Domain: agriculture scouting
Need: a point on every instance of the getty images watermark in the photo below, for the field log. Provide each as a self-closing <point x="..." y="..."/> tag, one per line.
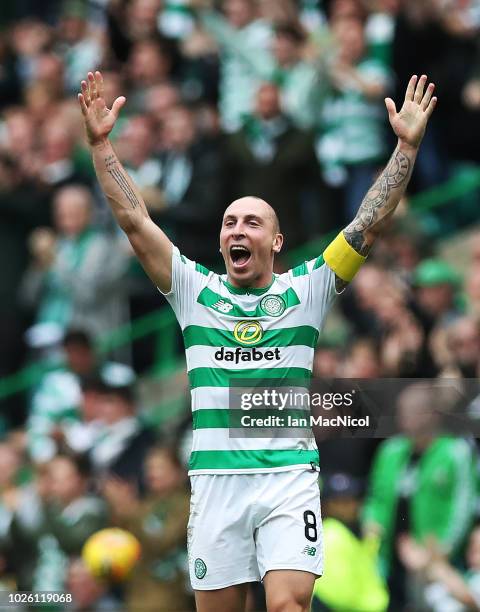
<point x="291" y="404"/>
<point x="352" y="408"/>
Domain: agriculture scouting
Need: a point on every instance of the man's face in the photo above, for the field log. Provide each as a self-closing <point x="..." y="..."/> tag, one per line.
<point x="71" y="211"/>
<point x="285" y="49"/>
<point x="268" y="102"/>
<point x="239" y="12"/>
<point x="161" y="473"/>
<point x="178" y="130"/>
<point x="415" y="412"/>
<point x="249" y="240"/>
<point x="138" y="139"/>
<point x="350" y="39"/>
<point x="112" y="408"/>
<point x="80" y="358"/>
<point x="436" y="300"/>
<point x="465" y="342"/>
<point x="65" y="481"/>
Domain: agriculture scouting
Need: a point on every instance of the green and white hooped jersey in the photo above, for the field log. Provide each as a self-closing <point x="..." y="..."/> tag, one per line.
<point x="277" y="325"/>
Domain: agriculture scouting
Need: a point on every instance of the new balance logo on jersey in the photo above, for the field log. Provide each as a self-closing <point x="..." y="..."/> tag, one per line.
<point x="239" y="354"/>
<point x="309" y="550"/>
<point x="222" y="306"/>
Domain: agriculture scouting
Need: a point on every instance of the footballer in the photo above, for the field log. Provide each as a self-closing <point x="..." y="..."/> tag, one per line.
<point x="255" y="506"/>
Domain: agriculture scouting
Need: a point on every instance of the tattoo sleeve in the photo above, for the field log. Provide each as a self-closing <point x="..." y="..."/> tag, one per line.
<point x="378" y="205"/>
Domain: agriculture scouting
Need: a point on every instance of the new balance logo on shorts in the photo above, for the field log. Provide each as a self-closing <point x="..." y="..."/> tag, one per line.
<point x="309" y="550"/>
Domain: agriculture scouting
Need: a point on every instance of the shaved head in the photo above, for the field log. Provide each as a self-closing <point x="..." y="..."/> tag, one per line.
<point x="249" y="240"/>
<point x="256" y="205"/>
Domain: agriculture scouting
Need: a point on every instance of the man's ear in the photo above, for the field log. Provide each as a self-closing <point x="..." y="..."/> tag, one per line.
<point x="277" y="243"/>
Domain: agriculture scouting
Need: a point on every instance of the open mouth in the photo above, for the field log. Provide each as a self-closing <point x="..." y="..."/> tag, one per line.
<point x="240" y="255"/>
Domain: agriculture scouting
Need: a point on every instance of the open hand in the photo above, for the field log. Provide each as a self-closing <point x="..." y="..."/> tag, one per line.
<point x="413" y="556"/>
<point x="99" y="120"/>
<point x="409" y="124"/>
<point x="121" y="495"/>
<point x="43" y="243"/>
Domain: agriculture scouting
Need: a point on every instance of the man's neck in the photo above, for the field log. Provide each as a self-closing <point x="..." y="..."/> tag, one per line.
<point x="422" y="442"/>
<point x="262" y="282"/>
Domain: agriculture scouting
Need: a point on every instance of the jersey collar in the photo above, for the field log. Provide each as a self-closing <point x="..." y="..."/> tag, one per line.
<point x="248" y="290"/>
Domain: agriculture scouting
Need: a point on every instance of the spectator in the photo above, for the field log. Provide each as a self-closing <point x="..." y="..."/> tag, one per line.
<point x="129" y="22"/>
<point x="327" y="359"/>
<point x="282" y="63"/>
<point x="121" y="449"/>
<point x="81" y="435"/>
<point x="301" y="83"/>
<point x="159" y="523"/>
<point x="150" y="64"/>
<point x="239" y="30"/>
<point x="57" y="166"/>
<point x="351" y="579"/>
<point x="352" y="141"/>
<point x="352" y="455"/>
<point x="61" y="407"/>
<point x="89" y="593"/>
<point x="29" y="38"/>
<point x="76" y="276"/>
<point x="78" y="45"/>
<point x="472" y="288"/>
<point x="159" y="101"/>
<point x="436" y="283"/>
<point x="362" y="360"/>
<point x="52" y="520"/>
<point x="442" y="586"/>
<point x="463" y="346"/>
<point x="192" y="185"/>
<point x="272" y="159"/>
<point x="136" y="149"/>
<point x="422" y="484"/>
<point x="399" y="322"/>
<point x="22" y="208"/>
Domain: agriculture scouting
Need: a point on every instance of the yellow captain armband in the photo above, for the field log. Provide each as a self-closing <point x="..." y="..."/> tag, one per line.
<point x="342" y="258"/>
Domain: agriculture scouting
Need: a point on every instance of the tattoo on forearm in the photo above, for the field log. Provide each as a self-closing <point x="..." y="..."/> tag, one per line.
<point x="377" y="204"/>
<point x="121" y="180"/>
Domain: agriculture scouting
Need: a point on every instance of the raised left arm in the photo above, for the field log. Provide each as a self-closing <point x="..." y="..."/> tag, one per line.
<point x="379" y="204"/>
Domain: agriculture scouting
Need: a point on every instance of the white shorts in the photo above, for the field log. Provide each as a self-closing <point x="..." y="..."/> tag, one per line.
<point x="243" y="525"/>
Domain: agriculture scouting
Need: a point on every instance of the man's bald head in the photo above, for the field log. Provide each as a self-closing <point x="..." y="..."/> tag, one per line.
<point x="255" y="205"/>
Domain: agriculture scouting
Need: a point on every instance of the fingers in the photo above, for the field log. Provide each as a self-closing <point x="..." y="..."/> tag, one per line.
<point x="117" y="105"/>
<point x="83" y="106"/>
<point x="419" y="89"/>
<point x="428" y="96"/>
<point x="391" y="108"/>
<point x="99" y="83"/>
<point x="92" y="87"/>
<point x="431" y="106"/>
<point x="411" y="88"/>
<point x="86" y="93"/>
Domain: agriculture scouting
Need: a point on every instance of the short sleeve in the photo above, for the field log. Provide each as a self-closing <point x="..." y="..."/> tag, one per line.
<point x="188" y="279"/>
<point x="315" y="282"/>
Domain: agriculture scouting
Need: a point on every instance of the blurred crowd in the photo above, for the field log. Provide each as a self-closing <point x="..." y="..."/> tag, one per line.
<point x="278" y="98"/>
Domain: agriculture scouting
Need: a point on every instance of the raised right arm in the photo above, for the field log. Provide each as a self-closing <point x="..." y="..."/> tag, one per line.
<point x="151" y="245"/>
